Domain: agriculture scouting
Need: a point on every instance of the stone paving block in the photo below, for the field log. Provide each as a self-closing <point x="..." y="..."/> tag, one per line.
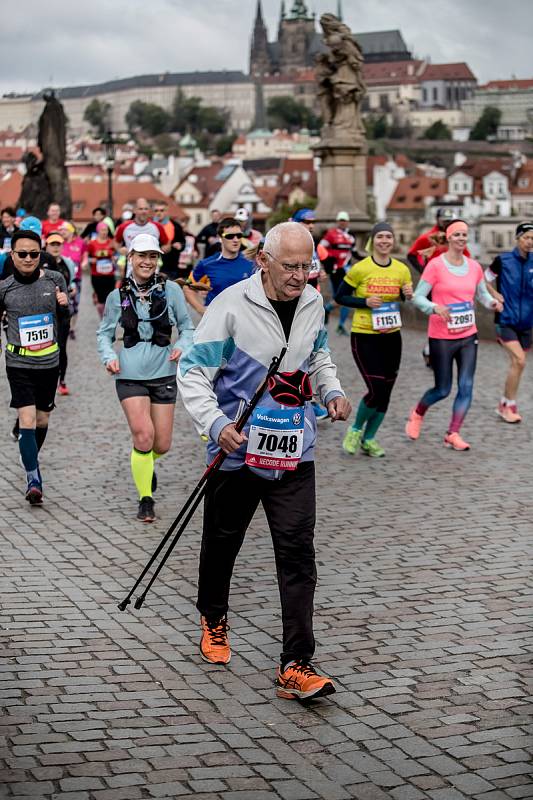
<point x="292" y="790"/>
<point x="422" y="624"/>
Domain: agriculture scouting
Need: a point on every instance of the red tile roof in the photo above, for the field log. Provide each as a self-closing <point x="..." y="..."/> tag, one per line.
<point x="203" y="178"/>
<point x="522" y="83"/>
<point x="459" y="71"/>
<point x="392" y="72"/>
<point x="523" y="183"/>
<point x="479" y="167"/>
<point x="86" y="195"/>
<point x="11" y="154"/>
<point x="412" y="190"/>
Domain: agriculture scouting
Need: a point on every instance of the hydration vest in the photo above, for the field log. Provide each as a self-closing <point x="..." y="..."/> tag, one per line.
<point x="158" y="319"/>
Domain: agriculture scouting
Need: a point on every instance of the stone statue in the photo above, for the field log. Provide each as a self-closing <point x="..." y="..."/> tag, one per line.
<point x="46" y="181"/>
<point x="341" y="86"/>
<point x="342" y="149"/>
<point x="35" y="195"/>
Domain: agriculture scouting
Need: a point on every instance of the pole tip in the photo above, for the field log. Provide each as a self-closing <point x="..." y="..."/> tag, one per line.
<point x="123" y="605"/>
<point x="138" y="603"/>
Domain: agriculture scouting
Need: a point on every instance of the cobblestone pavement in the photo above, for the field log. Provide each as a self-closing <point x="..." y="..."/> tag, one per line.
<point x="421" y="615"/>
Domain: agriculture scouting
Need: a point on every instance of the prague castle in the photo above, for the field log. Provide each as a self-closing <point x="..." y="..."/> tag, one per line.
<point x="281" y="67"/>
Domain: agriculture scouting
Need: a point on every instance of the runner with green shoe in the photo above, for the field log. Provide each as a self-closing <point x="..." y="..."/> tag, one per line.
<point x="374" y="287"/>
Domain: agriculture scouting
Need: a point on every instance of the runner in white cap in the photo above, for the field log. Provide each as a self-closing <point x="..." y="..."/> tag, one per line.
<point x="147" y="307"/>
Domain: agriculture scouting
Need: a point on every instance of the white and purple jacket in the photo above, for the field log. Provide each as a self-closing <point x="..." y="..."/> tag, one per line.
<point x="234" y="344"/>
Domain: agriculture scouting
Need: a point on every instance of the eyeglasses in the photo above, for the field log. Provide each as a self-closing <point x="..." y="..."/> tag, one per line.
<point x="292" y="267"/>
<point x="232" y="236"/>
<point x="33" y="254"/>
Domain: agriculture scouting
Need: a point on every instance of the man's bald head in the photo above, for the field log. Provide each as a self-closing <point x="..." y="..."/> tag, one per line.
<point x="286" y="260"/>
<point x="288" y="238"/>
<point x="142" y="210"/>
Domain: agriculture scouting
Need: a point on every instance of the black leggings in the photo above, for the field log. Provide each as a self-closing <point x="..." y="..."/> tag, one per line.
<point x="378" y="357"/>
<point x="63" y="329"/>
<point x="443" y="352"/>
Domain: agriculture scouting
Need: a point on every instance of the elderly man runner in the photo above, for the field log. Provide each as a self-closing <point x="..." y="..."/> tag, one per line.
<point x="271" y="461"/>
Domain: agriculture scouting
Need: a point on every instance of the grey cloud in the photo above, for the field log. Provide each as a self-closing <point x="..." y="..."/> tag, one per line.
<point x="70" y="43"/>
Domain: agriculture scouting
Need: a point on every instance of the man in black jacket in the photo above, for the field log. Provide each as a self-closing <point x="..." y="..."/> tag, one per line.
<point x="176" y="238"/>
<point x="208" y="235"/>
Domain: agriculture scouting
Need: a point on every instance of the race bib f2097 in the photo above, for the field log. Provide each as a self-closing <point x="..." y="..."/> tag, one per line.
<point x="462" y="315"/>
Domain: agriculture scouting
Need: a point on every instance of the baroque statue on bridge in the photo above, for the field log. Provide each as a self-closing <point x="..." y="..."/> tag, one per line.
<point x="341" y="86"/>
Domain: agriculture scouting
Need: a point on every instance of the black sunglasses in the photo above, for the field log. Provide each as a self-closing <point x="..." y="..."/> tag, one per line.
<point x="33" y="254"/>
<point x="232" y="235"/>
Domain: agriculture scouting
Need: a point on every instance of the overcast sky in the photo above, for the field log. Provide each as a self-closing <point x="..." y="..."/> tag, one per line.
<point x="69" y="42"/>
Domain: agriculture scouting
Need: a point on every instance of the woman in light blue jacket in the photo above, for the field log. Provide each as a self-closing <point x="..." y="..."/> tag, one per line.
<point x="147" y="307"/>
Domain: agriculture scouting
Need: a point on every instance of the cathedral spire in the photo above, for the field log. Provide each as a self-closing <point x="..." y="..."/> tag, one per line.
<point x="299" y="10"/>
<point x="339" y="10"/>
<point x="259" y="52"/>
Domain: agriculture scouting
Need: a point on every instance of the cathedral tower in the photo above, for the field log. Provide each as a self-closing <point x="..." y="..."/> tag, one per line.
<point x="296" y="31"/>
<point x="259" y="54"/>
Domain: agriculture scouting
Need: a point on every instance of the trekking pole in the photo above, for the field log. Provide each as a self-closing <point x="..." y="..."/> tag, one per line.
<point x="193" y="501"/>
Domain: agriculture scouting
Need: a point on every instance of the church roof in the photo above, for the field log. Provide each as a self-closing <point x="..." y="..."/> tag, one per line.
<point x="146" y="81"/>
<point x="382" y="42"/>
<point x="374" y="43"/>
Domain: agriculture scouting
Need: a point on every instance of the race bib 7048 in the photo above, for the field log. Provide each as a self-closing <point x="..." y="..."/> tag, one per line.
<point x="275" y="438"/>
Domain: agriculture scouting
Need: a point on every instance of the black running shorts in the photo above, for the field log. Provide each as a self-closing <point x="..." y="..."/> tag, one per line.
<point x="160" y="390"/>
<point x="507" y="333"/>
<point x="33" y="387"/>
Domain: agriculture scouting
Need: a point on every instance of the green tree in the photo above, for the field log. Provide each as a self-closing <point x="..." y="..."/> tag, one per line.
<point x="147" y="117"/>
<point x="376" y="127"/>
<point x="487" y="124"/>
<point x="439" y="130"/>
<point x="188" y="114"/>
<point x="286" y="112"/>
<point x="97" y="115"/>
<point x="224" y="143"/>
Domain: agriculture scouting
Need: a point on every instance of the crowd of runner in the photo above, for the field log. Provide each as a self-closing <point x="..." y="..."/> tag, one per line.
<point x="254" y="296"/>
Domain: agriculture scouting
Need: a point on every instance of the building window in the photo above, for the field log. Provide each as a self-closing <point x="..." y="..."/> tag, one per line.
<point x="384" y="102"/>
<point x="435" y="94"/>
<point x="198" y="219"/>
<point x="424" y="95"/>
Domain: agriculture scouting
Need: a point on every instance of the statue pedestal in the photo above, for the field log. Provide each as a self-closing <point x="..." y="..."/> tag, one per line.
<point x="342" y="186"/>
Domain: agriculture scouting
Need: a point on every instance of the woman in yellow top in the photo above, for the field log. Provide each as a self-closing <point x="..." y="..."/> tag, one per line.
<point x="374" y="287"/>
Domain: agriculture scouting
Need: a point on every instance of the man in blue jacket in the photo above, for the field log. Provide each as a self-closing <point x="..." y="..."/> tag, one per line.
<point x="513" y="273"/>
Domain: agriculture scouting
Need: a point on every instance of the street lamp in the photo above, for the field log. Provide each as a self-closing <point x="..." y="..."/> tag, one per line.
<point x="110" y="153"/>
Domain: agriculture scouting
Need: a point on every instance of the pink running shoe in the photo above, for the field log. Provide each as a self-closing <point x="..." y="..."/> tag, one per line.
<point x="455" y="441"/>
<point x="414" y="424"/>
<point x="509" y="413"/>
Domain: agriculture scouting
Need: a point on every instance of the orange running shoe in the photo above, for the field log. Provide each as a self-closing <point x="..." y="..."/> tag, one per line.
<point x="509" y="413"/>
<point x="414" y="424"/>
<point x="214" y="645"/>
<point x="299" y="680"/>
<point x="455" y="441"/>
<point x="63" y="389"/>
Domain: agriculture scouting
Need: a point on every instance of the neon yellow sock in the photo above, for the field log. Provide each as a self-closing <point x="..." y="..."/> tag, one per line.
<point x="142" y="469"/>
<point x="155" y="455"/>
